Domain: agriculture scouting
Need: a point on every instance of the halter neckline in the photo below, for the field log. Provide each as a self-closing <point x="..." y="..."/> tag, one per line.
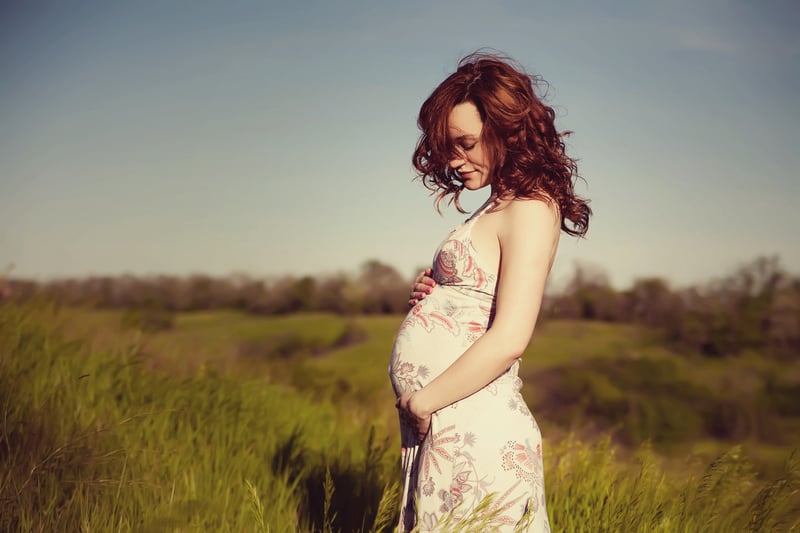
<point x="480" y="211"/>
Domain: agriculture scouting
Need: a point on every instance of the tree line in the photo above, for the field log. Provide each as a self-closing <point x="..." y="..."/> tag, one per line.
<point x="757" y="306"/>
<point x="376" y="289"/>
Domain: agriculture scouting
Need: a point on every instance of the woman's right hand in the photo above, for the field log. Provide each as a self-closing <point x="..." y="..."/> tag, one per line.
<point x="422" y="287"/>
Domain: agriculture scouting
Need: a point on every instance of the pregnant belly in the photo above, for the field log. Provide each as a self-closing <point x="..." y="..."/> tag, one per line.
<point x="433" y="335"/>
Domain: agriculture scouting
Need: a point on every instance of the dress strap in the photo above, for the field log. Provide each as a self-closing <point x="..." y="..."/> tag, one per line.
<point x="481" y="210"/>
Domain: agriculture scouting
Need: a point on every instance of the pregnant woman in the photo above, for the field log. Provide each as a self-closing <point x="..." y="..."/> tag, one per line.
<point x="471" y="450"/>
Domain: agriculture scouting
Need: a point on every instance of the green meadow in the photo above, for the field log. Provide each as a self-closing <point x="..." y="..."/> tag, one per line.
<point x="224" y="421"/>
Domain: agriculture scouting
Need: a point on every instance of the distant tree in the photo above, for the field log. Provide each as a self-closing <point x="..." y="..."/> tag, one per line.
<point x="383" y="289"/>
<point x="588" y="295"/>
<point x="201" y="292"/>
<point x="303" y="294"/>
<point x="18" y="289"/>
<point x="752" y="308"/>
<point x="650" y="301"/>
<point x="336" y="294"/>
<point x="755" y="287"/>
<point x="290" y="295"/>
<point x="703" y="326"/>
<point x="253" y="296"/>
<point x="784" y="321"/>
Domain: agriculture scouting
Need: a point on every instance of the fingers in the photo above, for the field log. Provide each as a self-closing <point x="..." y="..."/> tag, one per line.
<point x="422" y="286"/>
<point x="420" y="292"/>
<point x="423" y="426"/>
<point x="425" y="278"/>
<point x="416" y="297"/>
<point x="409" y="420"/>
<point x="426" y="281"/>
<point x="420" y="426"/>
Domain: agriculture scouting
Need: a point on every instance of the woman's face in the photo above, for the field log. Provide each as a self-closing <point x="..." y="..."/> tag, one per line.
<point x="464" y="126"/>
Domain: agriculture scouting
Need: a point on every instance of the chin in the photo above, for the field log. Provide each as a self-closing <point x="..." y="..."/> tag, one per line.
<point x="474" y="186"/>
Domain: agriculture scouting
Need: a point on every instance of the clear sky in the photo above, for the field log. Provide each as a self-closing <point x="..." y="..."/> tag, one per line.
<point x="275" y="138"/>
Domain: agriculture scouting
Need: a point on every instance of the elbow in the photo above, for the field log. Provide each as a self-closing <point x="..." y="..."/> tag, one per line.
<point x="515" y="351"/>
<point x="512" y="344"/>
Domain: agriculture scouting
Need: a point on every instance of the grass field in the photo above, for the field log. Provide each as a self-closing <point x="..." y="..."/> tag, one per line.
<point x="228" y="422"/>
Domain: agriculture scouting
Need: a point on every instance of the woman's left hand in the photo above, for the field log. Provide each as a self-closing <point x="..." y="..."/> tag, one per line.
<point x="419" y="422"/>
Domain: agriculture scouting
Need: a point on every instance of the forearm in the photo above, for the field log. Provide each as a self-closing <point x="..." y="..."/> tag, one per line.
<point x="487" y="358"/>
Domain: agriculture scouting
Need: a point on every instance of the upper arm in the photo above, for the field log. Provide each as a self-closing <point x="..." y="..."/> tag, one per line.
<point x="528" y="237"/>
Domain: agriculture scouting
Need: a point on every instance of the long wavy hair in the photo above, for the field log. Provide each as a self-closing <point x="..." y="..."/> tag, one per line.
<point x="526" y="153"/>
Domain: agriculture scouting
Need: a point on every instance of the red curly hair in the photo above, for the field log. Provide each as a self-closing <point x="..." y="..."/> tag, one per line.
<point x="527" y="153"/>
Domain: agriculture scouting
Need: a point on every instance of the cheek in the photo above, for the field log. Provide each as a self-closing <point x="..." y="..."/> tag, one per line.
<point x="483" y="158"/>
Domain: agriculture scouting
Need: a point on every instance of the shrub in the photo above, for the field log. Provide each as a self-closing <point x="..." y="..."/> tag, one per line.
<point x="647" y="399"/>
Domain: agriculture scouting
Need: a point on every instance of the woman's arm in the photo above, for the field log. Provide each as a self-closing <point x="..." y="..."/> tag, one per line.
<point x="528" y="237"/>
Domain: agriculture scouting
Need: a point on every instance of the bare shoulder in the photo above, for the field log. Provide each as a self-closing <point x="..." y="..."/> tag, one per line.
<point x="530" y="213"/>
<point x="529" y="234"/>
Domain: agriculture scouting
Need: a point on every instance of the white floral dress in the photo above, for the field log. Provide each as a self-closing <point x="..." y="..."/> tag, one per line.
<point x="487" y="444"/>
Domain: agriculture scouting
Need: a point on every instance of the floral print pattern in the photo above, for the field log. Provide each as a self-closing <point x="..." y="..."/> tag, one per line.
<point x="486" y="445"/>
<point x="408" y="376"/>
<point x="446" y="268"/>
<point x="520" y="459"/>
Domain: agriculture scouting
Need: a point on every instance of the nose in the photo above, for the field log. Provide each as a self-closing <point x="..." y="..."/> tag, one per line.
<point x="457" y="161"/>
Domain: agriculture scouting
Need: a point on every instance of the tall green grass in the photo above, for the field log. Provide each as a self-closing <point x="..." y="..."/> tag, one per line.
<point x="92" y="440"/>
<point x="592" y="488"/>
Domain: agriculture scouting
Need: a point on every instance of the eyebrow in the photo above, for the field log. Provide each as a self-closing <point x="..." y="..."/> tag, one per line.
<point x="467" y="137"/>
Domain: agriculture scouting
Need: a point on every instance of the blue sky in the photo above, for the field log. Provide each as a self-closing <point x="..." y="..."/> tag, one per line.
<point x="275" y="138"/>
